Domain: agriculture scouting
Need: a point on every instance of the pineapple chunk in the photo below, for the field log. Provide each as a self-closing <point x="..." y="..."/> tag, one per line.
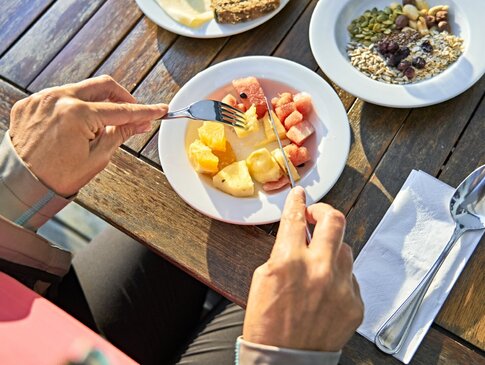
<point x="252" y="123"/>
<point x="227" y="157"/>
<point x="278" y="156"/>
<point x="268" y="128"/>
<point x="212" y="135"/>
<point x="263" y="167"/>
<point x="235" y="180"/>
<point x="202" y="158"/>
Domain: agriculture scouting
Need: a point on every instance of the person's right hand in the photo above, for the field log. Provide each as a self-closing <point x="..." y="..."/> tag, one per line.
<point x="305" y="297"/>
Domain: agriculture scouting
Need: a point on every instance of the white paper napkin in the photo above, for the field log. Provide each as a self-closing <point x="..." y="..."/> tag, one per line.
<point x="402" y="248"/>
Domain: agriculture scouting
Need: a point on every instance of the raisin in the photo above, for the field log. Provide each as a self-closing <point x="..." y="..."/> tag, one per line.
<point x="409" y="73"/>
<point x="419" y="63"/>
<point x="427" y="47"/>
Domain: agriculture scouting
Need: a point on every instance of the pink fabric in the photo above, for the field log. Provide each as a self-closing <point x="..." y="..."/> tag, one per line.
<point x="35" y="331"/>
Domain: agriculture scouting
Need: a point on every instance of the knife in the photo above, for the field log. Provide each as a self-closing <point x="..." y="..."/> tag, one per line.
<point x="285" y="159"/>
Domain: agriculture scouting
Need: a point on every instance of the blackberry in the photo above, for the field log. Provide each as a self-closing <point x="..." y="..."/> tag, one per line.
<point x="427" y="47"/>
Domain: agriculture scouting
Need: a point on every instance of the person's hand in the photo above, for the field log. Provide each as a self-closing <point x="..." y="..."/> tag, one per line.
<point x="305" y="297"/>
<point x="67" y="134"/>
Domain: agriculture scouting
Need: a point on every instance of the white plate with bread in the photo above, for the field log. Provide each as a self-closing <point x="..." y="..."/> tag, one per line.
<point x="247" y="15"/>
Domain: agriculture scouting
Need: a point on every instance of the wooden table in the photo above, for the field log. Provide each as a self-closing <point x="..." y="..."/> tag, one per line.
<point x="48" y="42"/>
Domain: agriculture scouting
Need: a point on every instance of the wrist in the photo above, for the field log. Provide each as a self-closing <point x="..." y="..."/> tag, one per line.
<point x="25" y="199"/>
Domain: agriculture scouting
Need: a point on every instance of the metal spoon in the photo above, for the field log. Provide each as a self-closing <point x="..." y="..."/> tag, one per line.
<point x="467" y="208"/>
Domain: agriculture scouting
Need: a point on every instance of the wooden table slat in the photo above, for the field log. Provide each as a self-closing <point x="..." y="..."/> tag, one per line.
<point x="463" y="312"/>
<point x="144" y="46"/>
<point x="90" y="46"/>
<point x="16" y="16"/>
<point x="263" y="41"/>
<point x="8" y="96"/>
<point x="423" y="143"/>
<point x="23" y="62"/>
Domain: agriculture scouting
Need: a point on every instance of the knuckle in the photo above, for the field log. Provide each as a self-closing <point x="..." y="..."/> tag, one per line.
<point x="107" y="79"/>
<point x="337" y="218"/>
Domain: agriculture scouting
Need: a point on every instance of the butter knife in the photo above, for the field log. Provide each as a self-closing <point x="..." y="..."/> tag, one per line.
<point x="285" y="159"/>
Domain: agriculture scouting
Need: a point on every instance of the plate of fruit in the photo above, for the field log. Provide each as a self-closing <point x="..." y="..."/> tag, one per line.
<point x="238" y="175"/>
<point x="400" y="53"/>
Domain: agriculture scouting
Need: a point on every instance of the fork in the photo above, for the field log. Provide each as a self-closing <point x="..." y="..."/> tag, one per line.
<point x="211" y="110"/>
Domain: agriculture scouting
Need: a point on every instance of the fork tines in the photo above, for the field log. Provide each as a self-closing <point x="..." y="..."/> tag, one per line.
<point x="232" y="115"/>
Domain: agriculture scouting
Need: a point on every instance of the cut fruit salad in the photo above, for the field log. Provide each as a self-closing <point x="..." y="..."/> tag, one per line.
<point x="213" y="155"/>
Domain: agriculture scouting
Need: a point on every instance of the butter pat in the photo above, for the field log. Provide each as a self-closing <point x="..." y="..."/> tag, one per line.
<point x="192" y="13"/>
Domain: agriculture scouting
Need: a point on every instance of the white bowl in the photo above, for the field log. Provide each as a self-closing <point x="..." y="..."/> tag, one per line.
<point x="329" y="146"/>
<point x="329" y="38"/>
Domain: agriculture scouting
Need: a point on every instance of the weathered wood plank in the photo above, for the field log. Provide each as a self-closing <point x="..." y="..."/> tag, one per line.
<point x="9" y="95"/>
<point x="45" y="39"/>
<point x="424" y="143"/>
<point x="436" y="348"/>
<point x="90" y="46"/>
<point x="143" y="47"/>
<point x="16" y="16"/>
<point x="463" y="312"/>
<point x="296" y="45"/>
<point x="264" y="39"/>
<point x="137" y="198"/>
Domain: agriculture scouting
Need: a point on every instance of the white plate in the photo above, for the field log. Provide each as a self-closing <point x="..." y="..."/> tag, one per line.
<point x="211" y="29"/>
<point x="329" y="146"/>
<point x="329" y="37"/>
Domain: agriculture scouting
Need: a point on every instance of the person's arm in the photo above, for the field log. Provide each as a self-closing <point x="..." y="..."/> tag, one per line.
<point x="58" y="140"/>
<point x="304" y="303"/>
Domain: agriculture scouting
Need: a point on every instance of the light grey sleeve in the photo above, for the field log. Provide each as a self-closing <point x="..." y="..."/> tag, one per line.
<point x="248" y="353"/>
<point x="24" y="200"/>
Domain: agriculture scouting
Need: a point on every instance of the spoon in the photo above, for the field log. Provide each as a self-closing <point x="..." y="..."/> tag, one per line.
<point x="467" y="208"/>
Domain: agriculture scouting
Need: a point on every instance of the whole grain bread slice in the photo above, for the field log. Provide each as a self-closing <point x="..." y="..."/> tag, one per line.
<point x="237" y="11"/>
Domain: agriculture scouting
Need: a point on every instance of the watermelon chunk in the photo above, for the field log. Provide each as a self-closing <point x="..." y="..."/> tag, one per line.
<point x="250" y="92"/>
<point x="300" y="132"/>
<point x="284" y="110"/>
<point x="229" y="99"/>
<point x="303" y="102"/>
<point x="297" y="155"/>
<point x="275" y="185"/>
<point x="293" y="119"/>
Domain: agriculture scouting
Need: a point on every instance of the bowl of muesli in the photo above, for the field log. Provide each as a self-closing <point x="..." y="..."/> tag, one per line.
<point x="403" y="53"/>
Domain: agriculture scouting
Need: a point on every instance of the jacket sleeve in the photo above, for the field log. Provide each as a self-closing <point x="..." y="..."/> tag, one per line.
<point x="248" y="353"/>
<point x="25" y="205"/>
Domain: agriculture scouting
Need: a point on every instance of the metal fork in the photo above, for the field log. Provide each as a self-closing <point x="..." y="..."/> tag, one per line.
<point x="211" y="110"/>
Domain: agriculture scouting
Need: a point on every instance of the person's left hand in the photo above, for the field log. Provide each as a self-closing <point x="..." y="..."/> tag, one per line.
<point x="67" y="134"/>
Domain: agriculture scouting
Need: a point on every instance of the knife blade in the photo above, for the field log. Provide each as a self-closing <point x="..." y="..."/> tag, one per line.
<point x="285" y="159"/>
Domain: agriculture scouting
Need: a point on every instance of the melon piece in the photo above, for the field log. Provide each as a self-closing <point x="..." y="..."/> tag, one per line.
<point x="293" y="119"/>
<point x="251" y="93"/>
<point x="213" y="135"/>
<point x="241" y="107"/>
<point x="202" y="158"/>
<point x="263" y="167"/>
<point x="225" y="158"/>
<point x="268" y="128"/>
<point x="252" y="123"/>
<point x="274" y="102"/>
<point x="284" y="110"/>
<point x="281" y="100"/>
<point x="229" y="99"/>
<point x="300" y="132"/>
<point x="297" y="155"/>
<point x="303" y="102"/>
<point x="275" y="185"/>
<point x="235" y="180"/>
<point x="278" y="156"/>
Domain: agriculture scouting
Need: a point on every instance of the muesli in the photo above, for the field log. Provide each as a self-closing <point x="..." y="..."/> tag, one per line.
<point x="402" y="44"/>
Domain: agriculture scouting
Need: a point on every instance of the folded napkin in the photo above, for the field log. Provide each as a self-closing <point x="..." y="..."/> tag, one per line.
<point x="401" y="250"/>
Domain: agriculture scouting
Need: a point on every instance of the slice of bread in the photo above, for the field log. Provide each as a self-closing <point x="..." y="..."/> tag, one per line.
<point x="237" y="11"/>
